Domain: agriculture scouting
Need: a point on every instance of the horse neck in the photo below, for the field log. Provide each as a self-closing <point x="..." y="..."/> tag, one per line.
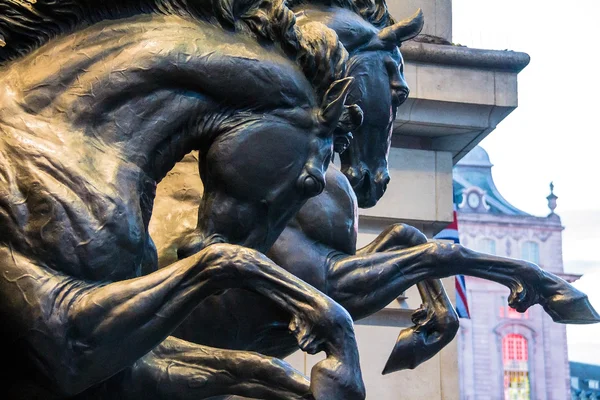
<point x="148" y="88"/>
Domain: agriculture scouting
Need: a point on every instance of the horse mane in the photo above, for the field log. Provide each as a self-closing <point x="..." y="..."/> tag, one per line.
<point x="372" y="11"/>
<point x="28" y="24"/>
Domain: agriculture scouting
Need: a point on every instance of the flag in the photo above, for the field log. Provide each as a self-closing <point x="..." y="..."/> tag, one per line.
<point x="451" y="233"/>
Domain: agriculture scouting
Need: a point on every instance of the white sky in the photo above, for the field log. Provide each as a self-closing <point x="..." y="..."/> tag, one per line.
<point x="553" y="134"/>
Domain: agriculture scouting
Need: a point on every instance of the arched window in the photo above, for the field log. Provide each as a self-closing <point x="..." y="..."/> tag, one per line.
<point x="515" y="357"/>
<point x="530" y="251"/>
<point x="487" y="246"/>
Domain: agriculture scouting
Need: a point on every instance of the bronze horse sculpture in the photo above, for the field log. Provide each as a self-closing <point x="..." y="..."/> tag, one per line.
<point x="319" y="244"/>
<point x="98" y="102"/>
<point x="372" y="38"/>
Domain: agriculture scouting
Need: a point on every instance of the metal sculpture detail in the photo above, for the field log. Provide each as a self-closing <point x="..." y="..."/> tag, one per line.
<point x="98" y="102"/>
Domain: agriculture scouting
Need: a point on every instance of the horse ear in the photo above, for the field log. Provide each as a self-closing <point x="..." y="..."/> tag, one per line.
<point x="402" y="31"/>
<point x="333" y="103"/>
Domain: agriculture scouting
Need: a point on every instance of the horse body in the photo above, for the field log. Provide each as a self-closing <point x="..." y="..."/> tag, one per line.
<point x="326" y="226"/>
<point x="94" y="119"/>
<point x="91" y="122"/>
<point x="319" y="244"/>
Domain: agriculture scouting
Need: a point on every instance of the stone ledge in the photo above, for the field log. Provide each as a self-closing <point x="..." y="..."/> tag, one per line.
<point x="458" y="96"/>
<point x="495" y="60"/>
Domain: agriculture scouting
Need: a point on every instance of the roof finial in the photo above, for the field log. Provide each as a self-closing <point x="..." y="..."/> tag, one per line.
<point x="552" y="199"/>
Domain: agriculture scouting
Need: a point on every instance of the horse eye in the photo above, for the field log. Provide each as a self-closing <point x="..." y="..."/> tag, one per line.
<point x="311" y="186"/>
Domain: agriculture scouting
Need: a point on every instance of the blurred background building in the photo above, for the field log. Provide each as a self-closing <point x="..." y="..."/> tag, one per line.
<point x="585" y="381"/>
<point x="502" y="353"/>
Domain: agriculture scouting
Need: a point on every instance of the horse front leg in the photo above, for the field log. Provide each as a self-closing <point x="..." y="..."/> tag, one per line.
<point x="373" y="280"/>
<point x="435" y="322"/>
<point x="79" y="334"/>
<point x="528" y="283"/>
<point x="318" y="322"/>
<point x="181" y="370"/>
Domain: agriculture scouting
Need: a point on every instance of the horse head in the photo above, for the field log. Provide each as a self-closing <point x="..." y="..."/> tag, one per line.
<point x="372" y="40"/>
<point x="288" y="154"/>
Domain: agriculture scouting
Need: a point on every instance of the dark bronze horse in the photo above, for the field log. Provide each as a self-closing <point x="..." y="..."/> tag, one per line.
<point x="319" y="244"/>
<point x="98" y="101"/>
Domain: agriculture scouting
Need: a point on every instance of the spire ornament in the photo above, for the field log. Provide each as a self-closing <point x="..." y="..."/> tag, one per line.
<point x="552" y="199"/>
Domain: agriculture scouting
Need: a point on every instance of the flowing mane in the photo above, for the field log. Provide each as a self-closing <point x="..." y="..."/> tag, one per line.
<point x="373" y="11"/>
<point x="26" y="25"/>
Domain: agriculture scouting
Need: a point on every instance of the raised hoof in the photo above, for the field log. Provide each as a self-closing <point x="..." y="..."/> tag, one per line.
<point x="419" y="343"/>
<point x="404" y="354"/>
<point x="569" y="309"/>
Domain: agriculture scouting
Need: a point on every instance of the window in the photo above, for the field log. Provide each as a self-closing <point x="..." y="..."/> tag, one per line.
<point x="530" y="251"/>
<point x="487" y="246"/>
<point x="515" y="355"/>
<point x="593" y="384"/>
<point x="574" y="382"/>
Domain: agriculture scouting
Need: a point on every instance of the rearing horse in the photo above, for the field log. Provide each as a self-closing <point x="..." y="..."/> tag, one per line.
<point x="319" y="245"/>
<point x="98" y="102"/>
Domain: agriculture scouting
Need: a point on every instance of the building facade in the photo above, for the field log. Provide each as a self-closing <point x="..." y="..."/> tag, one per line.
<point x="504" y="354"/>
<point x="585" y="381"/>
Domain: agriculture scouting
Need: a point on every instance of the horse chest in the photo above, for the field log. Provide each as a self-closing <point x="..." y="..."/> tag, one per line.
<point x="331" y="218"/>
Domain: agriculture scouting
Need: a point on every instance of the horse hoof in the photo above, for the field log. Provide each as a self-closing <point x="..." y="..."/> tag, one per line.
<point x="404" y="353"/>
<point x="432" y="331"/>
<point x="332" y="380"/>
<point x="571" y="309"/>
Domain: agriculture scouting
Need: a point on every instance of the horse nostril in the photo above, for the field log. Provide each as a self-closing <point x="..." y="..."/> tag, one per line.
<point x="381" y="182"/>
<point x="386" y="180"/>
<point x="354" y="176"/>
<point x="400" y="95"/>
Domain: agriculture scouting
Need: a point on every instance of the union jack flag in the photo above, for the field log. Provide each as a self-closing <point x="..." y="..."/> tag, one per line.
<point x="451" y="233"/>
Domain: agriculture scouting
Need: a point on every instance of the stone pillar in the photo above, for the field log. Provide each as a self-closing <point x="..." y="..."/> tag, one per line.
<point x="438" y="15"/>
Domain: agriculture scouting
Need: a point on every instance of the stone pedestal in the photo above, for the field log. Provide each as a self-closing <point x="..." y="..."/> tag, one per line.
<point x="458" y="96"/>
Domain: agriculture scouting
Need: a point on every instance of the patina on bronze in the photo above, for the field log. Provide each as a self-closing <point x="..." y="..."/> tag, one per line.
<point x="97" y="104"/>
<point x="319" y="244"/>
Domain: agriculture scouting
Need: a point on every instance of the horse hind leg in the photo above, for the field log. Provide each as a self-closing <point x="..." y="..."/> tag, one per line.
<point x="181" y="370"/>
